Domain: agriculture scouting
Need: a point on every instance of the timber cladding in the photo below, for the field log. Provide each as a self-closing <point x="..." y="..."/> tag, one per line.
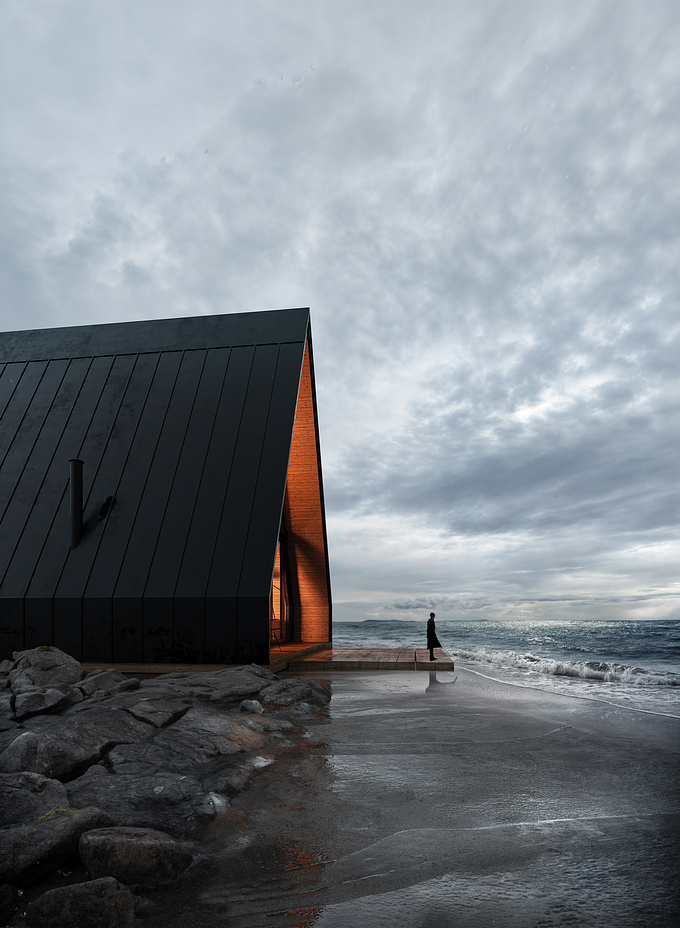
<point x="304" y="516"/>
<point x="185" y="428"/>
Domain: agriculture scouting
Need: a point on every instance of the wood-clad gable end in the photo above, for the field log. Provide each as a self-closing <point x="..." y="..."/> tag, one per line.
<point x="185" y="429"/>
<point x="304" y="518"/>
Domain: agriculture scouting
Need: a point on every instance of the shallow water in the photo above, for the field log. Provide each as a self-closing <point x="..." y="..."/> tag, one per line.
<point x="442" y="800"/>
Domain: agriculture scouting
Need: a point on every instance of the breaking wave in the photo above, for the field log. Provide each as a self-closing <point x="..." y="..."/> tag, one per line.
<point x="600" y="671"/>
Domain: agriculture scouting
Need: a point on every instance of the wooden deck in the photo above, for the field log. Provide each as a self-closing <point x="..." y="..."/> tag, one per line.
<point x="370" y="659"/>
<point x="307" y="657"/>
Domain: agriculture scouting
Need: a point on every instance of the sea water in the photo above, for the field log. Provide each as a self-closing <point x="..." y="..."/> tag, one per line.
<point x="634" y="665"/>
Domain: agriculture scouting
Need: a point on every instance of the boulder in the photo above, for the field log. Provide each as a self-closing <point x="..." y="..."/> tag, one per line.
<point x="103" y="903"/>
<point x="101" y="681"/>
<point x="60" y="747"/>
<point x="133" y="855"/>
<point x="201" y="736"/>
<point x="204" y="734"/>
<point x="29" y="851"/>
<point x="253" y="706"/>
<point x="231" y="780"/>
<point x="125" y="686"/>
<point x="25" y="796"/>
<point x="36" y="700"/>
<point x="145" y="797"/>
<point x="288" y="692"/>
<point x="44" y="666"/>
<point x="8" y="901"/>
<point x="6" y="704"/>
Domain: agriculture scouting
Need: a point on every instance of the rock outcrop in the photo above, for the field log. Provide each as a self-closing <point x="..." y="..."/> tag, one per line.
<point x="103" y="903"/>
<point x="29" y="851"/>
<point x="122" y="769"/>
<point x="133" y="855"/>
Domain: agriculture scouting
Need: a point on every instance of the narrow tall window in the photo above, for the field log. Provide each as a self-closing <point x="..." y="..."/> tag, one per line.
<point x="281" y="605"/>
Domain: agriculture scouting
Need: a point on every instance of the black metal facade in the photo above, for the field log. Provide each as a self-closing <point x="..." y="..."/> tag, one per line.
<point x="184" y="427"/>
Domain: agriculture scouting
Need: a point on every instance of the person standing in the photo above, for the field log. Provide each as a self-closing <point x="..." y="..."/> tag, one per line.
<point x="432" y="640"/>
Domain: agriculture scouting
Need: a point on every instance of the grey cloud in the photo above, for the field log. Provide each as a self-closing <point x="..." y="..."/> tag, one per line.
<point x="478" y="202"/>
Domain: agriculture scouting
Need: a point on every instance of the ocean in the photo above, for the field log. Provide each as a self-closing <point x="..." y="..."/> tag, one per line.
<point x="634" y="665"/>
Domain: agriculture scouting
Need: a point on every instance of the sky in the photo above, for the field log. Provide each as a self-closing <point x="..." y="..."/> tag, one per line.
<point x="480" y="203"/>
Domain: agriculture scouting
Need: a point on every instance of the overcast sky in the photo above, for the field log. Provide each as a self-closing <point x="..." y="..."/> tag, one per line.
<point x="478" y="200"/>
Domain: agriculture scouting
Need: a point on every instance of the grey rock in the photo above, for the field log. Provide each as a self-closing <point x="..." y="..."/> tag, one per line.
<point x="199" y="737"/>
<point x="225" y="688"/>
<point x="61" y="747"/>
<point x="161" y="753"/>
<point x="8" y="901"/>
<point x="297" y="711"/>
<point x="100" y="681"/>
<point x="233" y="779"/>
<point x="285" y="693"/>
<point x="252" y="705"/>
<point x="36" y="701"/>
<point x="19" y="681"/>
<point x="133" y="855"/>
<point x="45" y="666"/>
<point x="203" y="735"/>
<point x="7" y="704"/>
<point x="103" y="903"/>
<point x="6" y="665"/>
<point x="111" y="697"/>
<point x="145" y="797"/>
<point x="29" y="851"/>
<point x="8" y="732"/>
<point x="128" y="685"/>
<point x="158" y="712"/>
<point x="26" y="796"/>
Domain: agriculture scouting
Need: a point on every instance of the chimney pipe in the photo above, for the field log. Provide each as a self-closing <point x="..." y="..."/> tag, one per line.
<point x="76" y="501"/>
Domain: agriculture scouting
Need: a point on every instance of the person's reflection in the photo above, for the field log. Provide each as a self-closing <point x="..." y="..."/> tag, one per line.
<point x="435" y="685"/>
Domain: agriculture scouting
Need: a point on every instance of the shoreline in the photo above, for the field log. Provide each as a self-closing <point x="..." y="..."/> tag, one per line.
<point x="596" y="699"/>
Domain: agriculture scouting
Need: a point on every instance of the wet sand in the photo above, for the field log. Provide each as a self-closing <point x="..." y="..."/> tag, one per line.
<point x="458" y="801"/>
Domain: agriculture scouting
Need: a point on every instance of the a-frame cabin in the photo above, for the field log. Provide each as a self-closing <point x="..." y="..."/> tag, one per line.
<point x="193" y="531"/>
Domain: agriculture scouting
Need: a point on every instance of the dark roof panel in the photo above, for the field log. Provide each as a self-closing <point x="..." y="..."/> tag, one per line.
<point x="191" y="444"/>
<point x="195" y="441"/>
<point x="86" y="341"/>
<point x="139" y="554"/>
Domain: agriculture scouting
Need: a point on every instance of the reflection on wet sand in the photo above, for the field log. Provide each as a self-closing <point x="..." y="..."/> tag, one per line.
<point x="435" y="684"/>
<point x="465" y="803"/>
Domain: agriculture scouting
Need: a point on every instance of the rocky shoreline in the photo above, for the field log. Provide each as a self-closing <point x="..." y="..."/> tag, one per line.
<point x="123" y="774"/>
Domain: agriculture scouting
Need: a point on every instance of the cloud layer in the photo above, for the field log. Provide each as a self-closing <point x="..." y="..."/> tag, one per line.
<point x="478" y="201"/>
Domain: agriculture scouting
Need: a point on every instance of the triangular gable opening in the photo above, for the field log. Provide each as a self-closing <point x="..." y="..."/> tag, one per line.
<point x="300" y="602"/>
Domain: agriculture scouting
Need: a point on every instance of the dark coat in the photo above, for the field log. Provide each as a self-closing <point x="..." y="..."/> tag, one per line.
<point x="432" y="640"/>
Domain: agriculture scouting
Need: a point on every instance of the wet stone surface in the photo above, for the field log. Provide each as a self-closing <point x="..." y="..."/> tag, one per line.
<point x="167" y="754"/>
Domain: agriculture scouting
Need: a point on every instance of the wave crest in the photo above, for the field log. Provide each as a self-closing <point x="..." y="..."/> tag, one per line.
<point x="601" y="671"/>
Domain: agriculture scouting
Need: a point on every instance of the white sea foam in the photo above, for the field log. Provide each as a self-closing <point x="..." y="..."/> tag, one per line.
<point x="603" y="671"/>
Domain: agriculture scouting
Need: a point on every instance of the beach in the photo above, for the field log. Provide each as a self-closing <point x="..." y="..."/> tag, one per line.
<point x="435" y="800"/>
